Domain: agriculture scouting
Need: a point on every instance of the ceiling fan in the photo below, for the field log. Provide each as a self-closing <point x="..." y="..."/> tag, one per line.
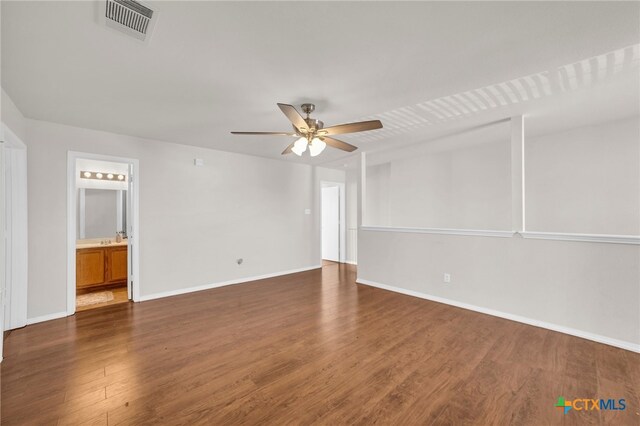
<point x="311" y="133"/>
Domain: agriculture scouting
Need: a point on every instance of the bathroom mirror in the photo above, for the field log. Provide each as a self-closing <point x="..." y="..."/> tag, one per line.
<point x="101" y="213"/>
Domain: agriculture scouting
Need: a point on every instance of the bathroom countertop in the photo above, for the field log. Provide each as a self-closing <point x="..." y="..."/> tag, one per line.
<point x="97" y="242"/>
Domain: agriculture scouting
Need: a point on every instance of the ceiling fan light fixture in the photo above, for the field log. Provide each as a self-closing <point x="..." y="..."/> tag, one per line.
<point x="312" y="133"/>
<point x="317" y="146"/>
<point x="300" y="146"/>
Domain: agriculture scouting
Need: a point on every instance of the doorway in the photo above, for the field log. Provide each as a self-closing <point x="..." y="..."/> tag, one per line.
<point x="332" y="201"/>
<point x="102" y="248"/>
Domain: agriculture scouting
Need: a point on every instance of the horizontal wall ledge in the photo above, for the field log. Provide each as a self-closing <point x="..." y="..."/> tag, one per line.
<point x="559" y="236"/>
<point x="441" y="231"/>
<point x="591" y="238"/>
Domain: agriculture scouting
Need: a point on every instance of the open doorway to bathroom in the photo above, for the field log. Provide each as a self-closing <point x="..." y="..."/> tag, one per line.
<point x="103" y="224"/>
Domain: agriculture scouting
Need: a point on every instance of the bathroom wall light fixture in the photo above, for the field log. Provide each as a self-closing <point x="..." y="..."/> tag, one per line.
<point x="85" y="174"/>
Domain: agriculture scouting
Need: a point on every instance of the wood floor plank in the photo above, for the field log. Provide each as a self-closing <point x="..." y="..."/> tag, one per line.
<point x="307" y="348"/>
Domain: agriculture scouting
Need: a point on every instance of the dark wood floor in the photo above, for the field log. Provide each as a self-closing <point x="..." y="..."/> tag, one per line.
<point x="312" y="347"/>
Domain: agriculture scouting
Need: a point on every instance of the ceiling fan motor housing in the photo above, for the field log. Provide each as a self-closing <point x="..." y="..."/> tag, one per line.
<point x="314" y="124"/>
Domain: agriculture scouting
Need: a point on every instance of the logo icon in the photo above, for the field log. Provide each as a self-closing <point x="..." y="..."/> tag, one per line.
<point x="590" y="404"/>
<point x="564" y="405"/>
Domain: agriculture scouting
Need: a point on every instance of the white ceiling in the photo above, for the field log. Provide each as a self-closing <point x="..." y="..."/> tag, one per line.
<point x="213" y="67"/>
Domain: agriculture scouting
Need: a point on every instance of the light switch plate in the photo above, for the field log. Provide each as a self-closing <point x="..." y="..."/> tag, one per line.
<point x="307" y="211"/>
<point x="198" y="162"/>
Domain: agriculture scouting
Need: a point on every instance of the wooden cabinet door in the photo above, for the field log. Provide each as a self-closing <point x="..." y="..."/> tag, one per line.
<point x="89" y="267"/>
<point x="117" y="264"/>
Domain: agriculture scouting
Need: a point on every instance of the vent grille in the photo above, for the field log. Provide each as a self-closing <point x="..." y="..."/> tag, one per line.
<point x="129" y="16"/>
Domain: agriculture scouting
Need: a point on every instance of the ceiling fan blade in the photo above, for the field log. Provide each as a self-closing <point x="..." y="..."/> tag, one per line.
<point x="294" y="116"/>
<point x="288" y="150"/>
<point x="264" y="133"/>
<point x="361" y="126"/>
<point x="339" y="144"/>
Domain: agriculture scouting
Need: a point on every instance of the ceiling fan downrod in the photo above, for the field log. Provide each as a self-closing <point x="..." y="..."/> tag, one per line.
<point x="308" y="108"/>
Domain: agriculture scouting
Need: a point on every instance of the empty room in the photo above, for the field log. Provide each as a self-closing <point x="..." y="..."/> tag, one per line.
<point x="334" y="213"/>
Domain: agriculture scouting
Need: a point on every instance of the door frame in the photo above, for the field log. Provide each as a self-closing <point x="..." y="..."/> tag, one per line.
<point x="14" y="169"/>
<point x="133" y="232"/>
<point x="342" y="241"/>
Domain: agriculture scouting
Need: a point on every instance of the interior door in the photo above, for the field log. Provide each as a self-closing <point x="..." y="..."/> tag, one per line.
<point x="13" y="239"/>
<point x="2" y="248"/>
<point x="331" y="223"/>
<point x="129" y="229"/>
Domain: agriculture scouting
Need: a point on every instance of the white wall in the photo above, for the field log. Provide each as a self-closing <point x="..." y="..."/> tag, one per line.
<point x="585" y="180"/>
<point x="377" y="195"/>
<point x="590" y="289"/>
<point x="466" y="185"/>
<point x="194" y="221"/>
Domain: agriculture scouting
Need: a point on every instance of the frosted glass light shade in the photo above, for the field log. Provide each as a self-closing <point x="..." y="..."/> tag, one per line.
<point x="316" y="147"/>
<point x="300" y="146"/>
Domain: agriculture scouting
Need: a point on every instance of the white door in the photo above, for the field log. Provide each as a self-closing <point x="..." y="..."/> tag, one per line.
<point x="2" y="248"/>
<point x="129" y="231"/>
<point x="13" y="235"/>
<point x="331" y="223"/>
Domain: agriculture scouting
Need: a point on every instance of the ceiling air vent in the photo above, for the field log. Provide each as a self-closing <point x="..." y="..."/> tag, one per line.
<point x="129" y="17"/>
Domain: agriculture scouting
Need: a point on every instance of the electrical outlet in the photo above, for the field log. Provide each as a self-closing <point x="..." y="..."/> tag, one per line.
<point x="447" y="278"/>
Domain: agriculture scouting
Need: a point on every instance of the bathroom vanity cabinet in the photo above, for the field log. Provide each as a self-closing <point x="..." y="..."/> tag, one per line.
<point x="101" y="266"/>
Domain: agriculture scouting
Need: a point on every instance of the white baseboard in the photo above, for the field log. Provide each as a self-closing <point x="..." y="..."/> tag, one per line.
<point x="351" y="262"/>
<point x="58" y="315"/>
<point x="223" y="283"/>
<point x="47" y="317"/>
<point x="634" y="347"/>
